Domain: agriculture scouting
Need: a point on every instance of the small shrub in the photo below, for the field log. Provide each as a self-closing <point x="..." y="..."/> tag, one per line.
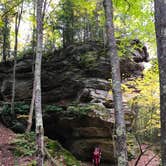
<point x="6" y="115"/>
<point x="19" y="108"/>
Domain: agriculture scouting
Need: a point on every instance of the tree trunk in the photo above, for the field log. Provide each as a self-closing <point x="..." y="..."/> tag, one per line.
<point x="38" y="109"/>
<point x="17" y="25"/>
<point x="14" y="66"/>
<point x="34" y="37"/>
<point x="6" y="35"/>
<point x="121" y="150"/>
<point x="160" y="23"/>
<point x="30" y="117"/>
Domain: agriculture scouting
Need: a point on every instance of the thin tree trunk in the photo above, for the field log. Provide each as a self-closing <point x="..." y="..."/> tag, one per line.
<point x="17" y="25"/>
<point x="5" y="36"/>
<point x="14" y="67"/>
<point x="30" y="117"/>
<point x="160" y="23"/>
<point x="34" y="37"/>
<point x="38" y="109"/>
<point x="121" y="149"/>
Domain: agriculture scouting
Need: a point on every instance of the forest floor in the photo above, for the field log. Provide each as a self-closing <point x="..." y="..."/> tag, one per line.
<point x="6" y="155"/>
<point x="7" y="159"/>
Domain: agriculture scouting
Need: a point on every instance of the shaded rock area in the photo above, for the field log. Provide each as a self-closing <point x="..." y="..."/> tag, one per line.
<point x="77" y="71"/>
<point x="81" y="127"/>
<point x="75" y="83"/>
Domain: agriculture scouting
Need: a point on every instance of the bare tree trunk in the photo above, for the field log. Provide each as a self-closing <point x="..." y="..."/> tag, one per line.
<point x="5" y="34"/>
<point x="121" y="149"/>
<point x="4" y="54"/>
<point x="38" y="109"/>
<point x="160" y="23"/>
<point x="34" y="37"/>
<point x="17" y="25"/>
<point x="30" y="117"/>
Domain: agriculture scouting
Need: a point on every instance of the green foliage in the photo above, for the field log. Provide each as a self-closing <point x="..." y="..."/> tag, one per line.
<point x="26" y="52"/>
<point x="146" y="102"/>
<point x="74" y="109"/>
<point x="83" y="20"/>
<point x="89" y="59"/>
<point x="52" y="108"/>
<point x="22" y="108"/>
<point x="86" y="109"/>
<point x="80" y="109"/>
<point x="132" y="146"/>
<point x="24" y="145"/>
<point x="135" y="19"/>
<point x="19" y="108"/>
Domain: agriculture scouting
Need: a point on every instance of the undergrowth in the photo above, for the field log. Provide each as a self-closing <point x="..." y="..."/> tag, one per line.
<point x="24" y="145"/>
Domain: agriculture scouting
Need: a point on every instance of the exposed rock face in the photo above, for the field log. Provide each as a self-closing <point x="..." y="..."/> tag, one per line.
<point x="78" y="71"/>
<point x="81" y="127"/>
<point x="80" y="131"/>
<point x="77" y="74"/>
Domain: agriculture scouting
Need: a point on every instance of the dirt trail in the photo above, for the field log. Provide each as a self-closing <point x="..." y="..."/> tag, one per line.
<point x="6" y="156"/>
<point x="149" y="158"/>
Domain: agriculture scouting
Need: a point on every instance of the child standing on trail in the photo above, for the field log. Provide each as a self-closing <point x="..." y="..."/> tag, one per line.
<point x="96" y="156"/>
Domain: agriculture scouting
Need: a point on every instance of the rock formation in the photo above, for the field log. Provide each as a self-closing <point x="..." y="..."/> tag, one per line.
<point x="78" y="74"/>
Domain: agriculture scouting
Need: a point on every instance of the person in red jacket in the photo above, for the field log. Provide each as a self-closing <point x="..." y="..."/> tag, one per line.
<point x="96" y="156"/>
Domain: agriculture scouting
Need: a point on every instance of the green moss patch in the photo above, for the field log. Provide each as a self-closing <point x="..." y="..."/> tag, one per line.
<point x="24" y="145"/>
<point x="57" y="151"/>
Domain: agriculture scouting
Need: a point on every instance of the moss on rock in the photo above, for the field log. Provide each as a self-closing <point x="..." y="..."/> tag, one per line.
<point x="24" y="145"/>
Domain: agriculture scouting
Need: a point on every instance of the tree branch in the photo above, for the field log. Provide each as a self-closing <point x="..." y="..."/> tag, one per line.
<point x="17" y="4"/>
<point x="141" y="151"/>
